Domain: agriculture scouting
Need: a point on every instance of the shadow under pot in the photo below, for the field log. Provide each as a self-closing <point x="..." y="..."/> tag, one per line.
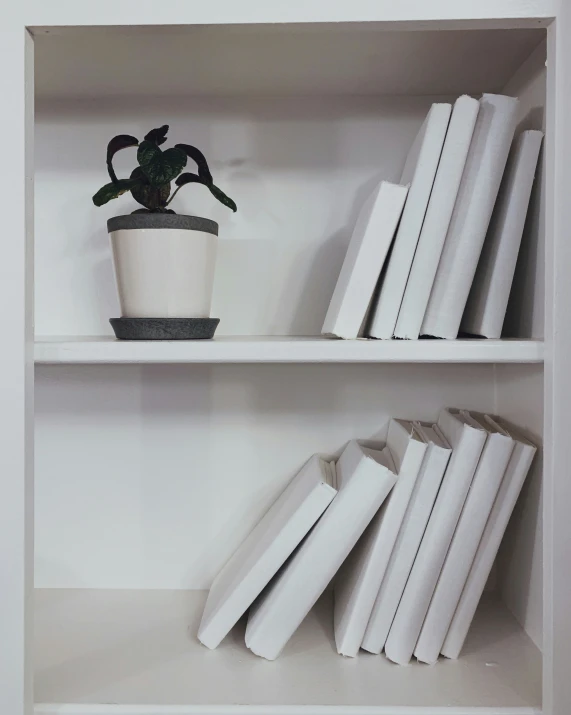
<point x="164" y="267"/>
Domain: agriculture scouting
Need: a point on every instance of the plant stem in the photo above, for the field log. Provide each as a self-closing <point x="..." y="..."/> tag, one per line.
<point x="173" y="195"/>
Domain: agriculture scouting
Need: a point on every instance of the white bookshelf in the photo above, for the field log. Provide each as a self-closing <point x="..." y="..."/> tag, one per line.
<point x="274" y="349"/>
<point x="132" y="469"/>
<point x="138" y="647"/>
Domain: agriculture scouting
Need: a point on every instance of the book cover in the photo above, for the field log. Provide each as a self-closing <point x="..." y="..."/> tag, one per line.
<point x="364" y="480"/>
<point x="437" y="219"/>
<point x="368" y="248"/>
<point x="419" y="171"/>
<point x="488" y="299"/>
<point x="467" y="442"/>
<point x="408" y="539"/>
<point x="510" y="488"/>
<point x="358" y="581"/>
<point x="489" y="474"/>
<point x="266" y="549"/>
<point x="487" y="156"/>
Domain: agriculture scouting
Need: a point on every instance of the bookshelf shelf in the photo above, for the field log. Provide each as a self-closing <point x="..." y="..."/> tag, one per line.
<point x="138" y="650"/>
<point x="134" y="469"/>
<point x="251" y="349"/>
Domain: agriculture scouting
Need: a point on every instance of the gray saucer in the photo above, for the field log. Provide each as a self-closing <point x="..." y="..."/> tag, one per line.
<point x="164" y="328"/>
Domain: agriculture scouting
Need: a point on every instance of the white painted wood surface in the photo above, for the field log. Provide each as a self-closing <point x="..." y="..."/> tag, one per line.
<point x="557" y="487"/>
<point x="486" y="13"/>
<point x="345" y="58"/>
<point x="16" y="377"/>
<point x="140" y="648"/>
<point x="286" y="349"/>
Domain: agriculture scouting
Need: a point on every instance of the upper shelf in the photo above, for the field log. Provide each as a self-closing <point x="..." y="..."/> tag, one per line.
<point x="38" y="13"/>
<point x="346" y="58"/>
<point x="246" y="349"/>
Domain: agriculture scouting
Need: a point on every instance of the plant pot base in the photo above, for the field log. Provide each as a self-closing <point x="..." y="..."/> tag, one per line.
<point x="164" y="328"/>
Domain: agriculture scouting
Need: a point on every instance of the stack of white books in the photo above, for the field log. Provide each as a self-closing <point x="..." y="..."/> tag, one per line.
<point x="406" y="536"/>
<point x="436" y="253"/>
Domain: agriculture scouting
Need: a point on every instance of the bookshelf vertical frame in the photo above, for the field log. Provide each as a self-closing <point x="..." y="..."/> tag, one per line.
<point x="557" y="489"/>
<point x="16" y="295"/>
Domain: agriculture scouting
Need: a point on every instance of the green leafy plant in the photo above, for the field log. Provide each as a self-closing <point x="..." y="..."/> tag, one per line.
<point x="150" y="182"/>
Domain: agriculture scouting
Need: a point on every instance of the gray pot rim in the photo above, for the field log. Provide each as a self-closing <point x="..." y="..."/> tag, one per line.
<point x="176" y="221"/>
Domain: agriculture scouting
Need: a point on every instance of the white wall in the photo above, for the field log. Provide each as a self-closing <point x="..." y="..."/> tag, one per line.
<point x="298" y="168"/>
<point x="148" y="477"/>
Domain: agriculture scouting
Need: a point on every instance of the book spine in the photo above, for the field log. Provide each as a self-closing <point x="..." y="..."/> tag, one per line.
<point x="488" y="300"/>
<point x="485" y="164"/>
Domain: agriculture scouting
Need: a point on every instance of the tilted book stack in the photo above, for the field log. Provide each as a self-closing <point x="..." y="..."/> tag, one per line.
<point x="406" y="535"/>
<point x="449" y="264"/>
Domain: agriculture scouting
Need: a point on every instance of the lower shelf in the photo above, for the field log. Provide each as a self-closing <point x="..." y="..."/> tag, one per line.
<point x="104" y="652"/>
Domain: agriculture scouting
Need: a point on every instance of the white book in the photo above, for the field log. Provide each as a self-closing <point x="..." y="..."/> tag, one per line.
<point x="488" y="300"/>
<point x="437" y="219"/>
<point x="408" y="540"/>
<point x="358" y="581"/>
<point x="419" y="171"/>
<point x="266" y="549"/>
<point x="364" y="480"/>
<point x="516" y="472"/>
<point x="368" y="248"/>
<point x="481" y="179"/>
<point x="467" y="442"/>
<point x="489" y="474"/>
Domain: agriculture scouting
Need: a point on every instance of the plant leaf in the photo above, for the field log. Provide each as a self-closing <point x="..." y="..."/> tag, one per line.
<point x="160" y="167"/>
<point x="158" y="136"/>
<point x="189" y="178"/>
<point x="114" y="190"/>
<point x="122" y="141"/>
<point x="151" y="197"/>
<point x="148" y="151"/>
<point x="221" y="196"/>
<point x="197" y="156"/>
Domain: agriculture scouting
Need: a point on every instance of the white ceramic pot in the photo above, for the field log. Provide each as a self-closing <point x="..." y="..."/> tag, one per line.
<point x="164" y="264"/>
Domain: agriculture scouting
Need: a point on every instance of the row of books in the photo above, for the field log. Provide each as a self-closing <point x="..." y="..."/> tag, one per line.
<point x="435" y="255"/>
<point x="407" y="534"/>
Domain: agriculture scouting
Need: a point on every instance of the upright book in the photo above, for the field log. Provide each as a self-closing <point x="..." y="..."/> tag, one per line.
<point x="409" y="538"/>
<point x="358" y="581"/>
<point x="368" y="248"/>
<point x="437" y="219"/>
<point x="266" y="549"/>
<point x="489" y="474"/>
<point x="481" y="179"/>
<point x="516" y="472"/>
<point x="467" y="442"/>
<point x="364" y="480"/>
<point x="488" y="300"/>
<point x="419" y="171"/>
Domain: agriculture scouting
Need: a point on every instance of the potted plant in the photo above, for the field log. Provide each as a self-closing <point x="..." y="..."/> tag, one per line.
<point x="164" y="262"/>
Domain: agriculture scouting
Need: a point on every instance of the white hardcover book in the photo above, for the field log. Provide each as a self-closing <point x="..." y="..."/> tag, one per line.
<point x="408" y="539"/>
<point x="368" y="248"/>
<point x="364" y="479"/>
<point x="437" y="219"/>
<point x="358" y="581"/>
<point x="467" y="442"/>
<point x="477" y="507"/>
<point x="266" y="549"/>
<point x="419" y="171"/>
<point x="516" y="472"/>
<point x="488" y="300"/>
<point x="481" y="179"/>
